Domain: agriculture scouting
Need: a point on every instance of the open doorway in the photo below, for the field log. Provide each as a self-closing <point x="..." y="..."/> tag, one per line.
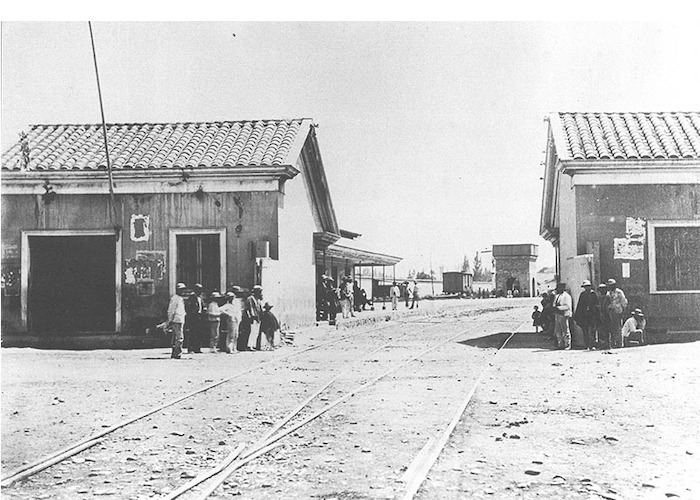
<point x="71" y="284"/>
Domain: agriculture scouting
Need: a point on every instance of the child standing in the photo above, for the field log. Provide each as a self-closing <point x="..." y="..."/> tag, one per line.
<point x="536" y="319"/>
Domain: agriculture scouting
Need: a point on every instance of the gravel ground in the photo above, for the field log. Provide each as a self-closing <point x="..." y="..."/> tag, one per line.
<point x="588" y="424"/>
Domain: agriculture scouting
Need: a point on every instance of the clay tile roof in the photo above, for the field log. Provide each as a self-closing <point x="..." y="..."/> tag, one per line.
<point x="627" y="136"/>
<point x="155" y="146"/>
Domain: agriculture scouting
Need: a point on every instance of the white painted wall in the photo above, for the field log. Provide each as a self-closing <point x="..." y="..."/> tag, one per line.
<point x="289" y="283"/>
<point x="567" y="227"/>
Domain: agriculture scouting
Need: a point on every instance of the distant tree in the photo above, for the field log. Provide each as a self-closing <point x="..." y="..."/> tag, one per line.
<point x="411" y="273"/>
<point x="422" y="275"/>
<point x="466" y="267"/>
<point x="478" y="268"/>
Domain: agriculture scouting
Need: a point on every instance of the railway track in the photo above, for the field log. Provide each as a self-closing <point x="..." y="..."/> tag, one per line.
<point x="354" y="375"/>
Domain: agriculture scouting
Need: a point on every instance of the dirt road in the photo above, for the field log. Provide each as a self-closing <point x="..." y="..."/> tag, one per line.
<point x="542" y="423"/>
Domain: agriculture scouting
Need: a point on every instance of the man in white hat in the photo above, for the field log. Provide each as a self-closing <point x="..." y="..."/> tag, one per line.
<point x="586" y="312"/>
<point x="562" y="310"/>
<point x="230" y="319"/>
<point x="253" y="313"/>
<point x="634" y="327"/>
<point x="618" y="304"/>
<point x="213" y="320"/>
<point x="176" y="318"/>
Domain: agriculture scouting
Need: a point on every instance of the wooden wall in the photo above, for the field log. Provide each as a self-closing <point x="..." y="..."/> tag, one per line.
<point x="602" y="212"/>
<point x="255" y="212"/>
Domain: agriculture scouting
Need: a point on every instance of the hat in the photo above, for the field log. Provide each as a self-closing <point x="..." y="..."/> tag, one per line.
<point x="180" y="286"/>
<point x="638" y="312"/>
<point x="611" y="281"/>
<point x="267" y="306"/>
<point x="586" y="283"/>
<point x="257" y="287"/>
<point x="602" y="285"/>
<point x="215" y="295"/>
<point x="236" y="289"/>
<point x="230" y="294"/>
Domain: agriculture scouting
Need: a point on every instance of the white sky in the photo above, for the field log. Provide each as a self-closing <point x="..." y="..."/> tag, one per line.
<point x="432" y="134"/>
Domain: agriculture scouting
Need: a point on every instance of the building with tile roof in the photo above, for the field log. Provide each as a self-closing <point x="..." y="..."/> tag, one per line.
<point x="621" y="199"/>
<point x="97" y="246"/>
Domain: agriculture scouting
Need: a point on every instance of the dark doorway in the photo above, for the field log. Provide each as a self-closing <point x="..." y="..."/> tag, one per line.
<point x="72" y="285"/>
<point x="199" y="260"/>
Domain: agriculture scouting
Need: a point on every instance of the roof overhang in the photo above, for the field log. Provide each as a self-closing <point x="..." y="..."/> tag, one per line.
<point x="353" y="256"/>
<point x="214" y="179"/>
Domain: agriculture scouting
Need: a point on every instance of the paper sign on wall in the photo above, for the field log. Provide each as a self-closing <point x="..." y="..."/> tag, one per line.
<point x="625" y="269"/>
<point x="636" y="229"/>
<point x="628" y="249"/>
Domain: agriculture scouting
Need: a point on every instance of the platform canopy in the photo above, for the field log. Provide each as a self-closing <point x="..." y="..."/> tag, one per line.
<point x="353" y="256"/>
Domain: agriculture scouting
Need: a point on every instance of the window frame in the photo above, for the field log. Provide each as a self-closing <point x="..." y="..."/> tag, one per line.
<point x="651" y="243"/>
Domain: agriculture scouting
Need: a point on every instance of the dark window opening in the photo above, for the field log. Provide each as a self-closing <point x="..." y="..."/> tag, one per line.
<point x="677" y="258"/>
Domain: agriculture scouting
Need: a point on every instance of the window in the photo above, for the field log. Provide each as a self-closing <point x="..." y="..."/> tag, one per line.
<point x="674" y="257"/>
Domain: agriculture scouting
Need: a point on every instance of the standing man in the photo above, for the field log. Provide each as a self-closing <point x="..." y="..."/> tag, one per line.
<point x="176" y="318"/>
<point x="414" y="295"/>
<point x="394" y="293"/>
<point x="253" y="314"/>
<point x="604" y="330"/>
<point x="562" y="313"/>
<point x="213" y="320"/>
<point x="230" y="319"/>
<point x="618" y="304"/>
<point x="409" y="292"/>
<point x="585" y="315"/>
<point x="194" y="321"/>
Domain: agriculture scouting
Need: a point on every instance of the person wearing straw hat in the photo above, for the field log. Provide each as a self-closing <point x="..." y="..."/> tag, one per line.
<point x="270" y="328"/>
<point x="231" y="312"/>
<point x="585" y="315"/>
<point x="176" y="318"/>
<point x="213" y="319"/>
<point x="618" y="304"/>
<point x="634" y="327"/>
<point x="562" y="310"/>
<point x="253" y="312"/>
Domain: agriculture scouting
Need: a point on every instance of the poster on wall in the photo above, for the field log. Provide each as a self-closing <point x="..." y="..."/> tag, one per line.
<point x="143" y="271"/>
<point x="636" y="229"/>
<point x="628" y="249"/>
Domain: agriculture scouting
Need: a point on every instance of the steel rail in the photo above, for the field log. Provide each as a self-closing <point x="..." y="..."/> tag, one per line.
<point x="266" y="439"/>
<point x="273" y="439"/>
<point x="31" y="468"/>
<point x="426" y="459"/>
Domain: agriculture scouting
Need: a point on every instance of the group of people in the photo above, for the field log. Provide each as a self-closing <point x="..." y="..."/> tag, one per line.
<point x="235" y="321"/>
<point x="410" y="294"/>
<point x="599" y="313"/>
<point x="347" y="298"/>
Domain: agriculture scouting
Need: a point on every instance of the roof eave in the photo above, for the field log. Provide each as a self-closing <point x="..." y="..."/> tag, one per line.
<point x="180" y="173"/>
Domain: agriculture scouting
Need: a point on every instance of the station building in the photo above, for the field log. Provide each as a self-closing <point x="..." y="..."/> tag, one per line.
<point x="219" y="203"/>
<point x="621" y="200"/>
